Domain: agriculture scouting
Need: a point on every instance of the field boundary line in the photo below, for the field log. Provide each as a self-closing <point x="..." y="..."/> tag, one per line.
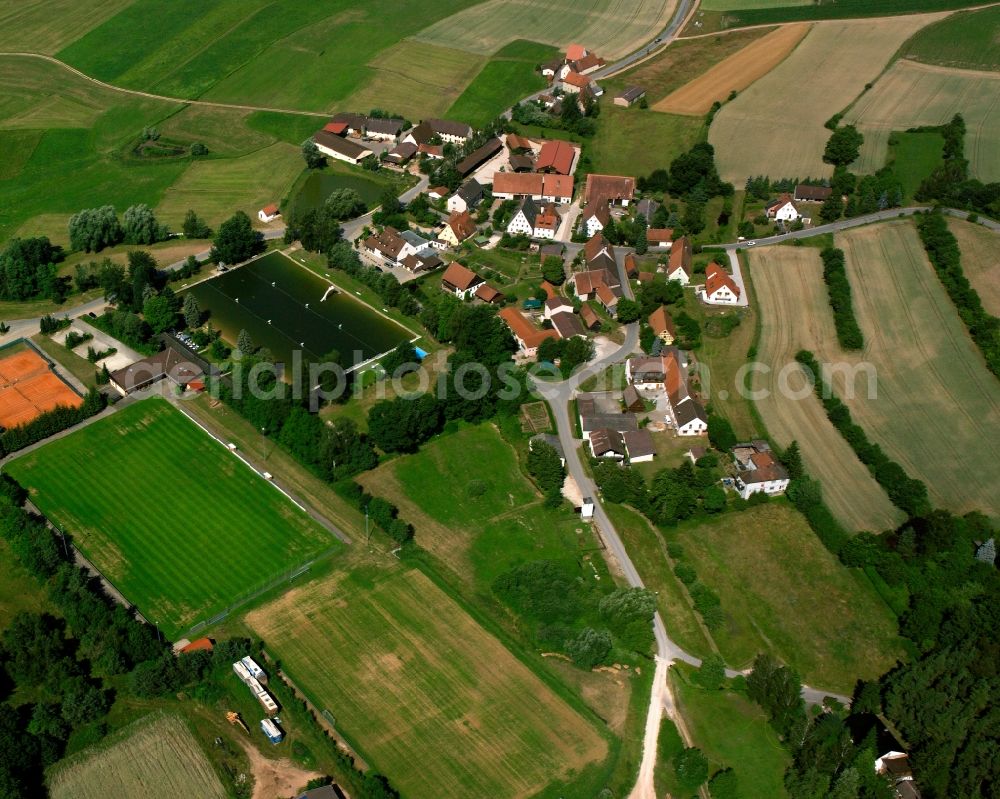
<point x="152" y="95"/>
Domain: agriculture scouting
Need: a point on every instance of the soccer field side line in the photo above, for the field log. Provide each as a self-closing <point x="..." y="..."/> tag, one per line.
<point x="330" y="527"/>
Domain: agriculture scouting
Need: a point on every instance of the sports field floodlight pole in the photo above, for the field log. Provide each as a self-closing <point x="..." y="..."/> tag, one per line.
<point x="62" y="533"/>
<point x="263" y="441"/>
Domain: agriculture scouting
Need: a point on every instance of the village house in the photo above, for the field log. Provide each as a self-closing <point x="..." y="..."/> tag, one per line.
<point x="720" y="289"/>
<point x="649" y="373"/>
<point x="459" y="227"/>
<point x="387" y="248"/>
<point x="574" y="83"/>
<point x="556" y="156"/>
<point x="448" y="131"/>
<point x="567" y="324"/>
<point x="466" y="198"/>
<point x="689" y="416"/>
<point x="339" y="148"/>
<point x="639" y="445"/>
<point x="783" y="209"/>
<point x="419" y="135"/>
<point x="679" y="266"/>
<point x="757" y="470"/>
<point x="527" y="336"/>
<point x="895" y="767"/>
<point x="613" y="189"/>
<point x="599" y="412"/>
<point x="629" y="96"/>
<point x="660" y="238"/>
<point x="460" y="281"/>
<point x="401" y="153"/>
<point x="537" y="186"/>
<point x="811" y="194"/>
<point x="532" y="220"/>
<point x="383" y="129"/>
<point x="478" y="157"/>
<point x="269" y="213"/>
<point x="607" y="297"/>
<point x="662" y="325"/>
<point x="547" y="222"/>
<point x="595" y="218"/>
<point x="599" y="253"/>
<point x="554" y="305"/>
<point x="419" y="263"/>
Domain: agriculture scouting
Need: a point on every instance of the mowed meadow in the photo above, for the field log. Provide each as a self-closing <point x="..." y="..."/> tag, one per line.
<point x="177" y="523"/>
<point x="754" y="135"/>
<point x="427" y="696"/>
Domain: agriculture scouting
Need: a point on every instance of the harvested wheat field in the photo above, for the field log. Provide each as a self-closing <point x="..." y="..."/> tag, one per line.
<point x="938" y="406"/>
<point x="795" y="314"/>
<point x="912" y="94"/>
<point x="826" y="71"/>
<point x="734" y="73"/>
<point x="980" y="260"/>
<point x="155" y="758"/>
<point x="423" y="693"/>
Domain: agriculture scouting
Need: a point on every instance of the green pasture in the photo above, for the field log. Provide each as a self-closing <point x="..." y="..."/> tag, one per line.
<point x="968" y="40"/>
<point x="178" y="524"/>
<point x="913" y="156"/>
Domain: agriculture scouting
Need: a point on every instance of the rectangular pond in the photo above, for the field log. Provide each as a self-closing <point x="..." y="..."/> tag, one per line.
<point x="285" y="307"/>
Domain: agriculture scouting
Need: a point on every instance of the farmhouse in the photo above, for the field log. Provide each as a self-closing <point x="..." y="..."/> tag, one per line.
<point x="530" y="220"/>
<point x="478" y="157"/>
<point x="339" y="148"/>
<point x="554" y="305"/>
<point x="599" y="253"/>
<point x="811" y="194"/>
<point x="586" y="284"/>
<point x="172" y="362"/>
<point x="757" y="470"/>
<point x="457" y="229"/>
<point x="783" y="209"/>
<point x="679" y="266"/>
<point x="567" y="324"/>
<point x="660" y="237"/>
<point x="268" y="213"/>
<point x="612" y="189"/>
<point x="630" y="96"/>
<point x="720" y="289"/>
<point x="383" y="129"/>
<point x="662" y="325"/>
<point x="453" y="132"/>
<point x="575" y="52"/>
<point x="419" y="135"/>
<point x="528" y="336"/>
<point x="593" y="418"/>
<point x="467" y="197"/>
<point x="387" y="247"/>
<point x="574" y="82"/>
<point x="537" y="186"/>
<point x="556" y="156"/>
<point x="595" y="219"/>
<point x="590" y="62"/>
<point x="460" y="281"/>
<point x="401" y="153"/>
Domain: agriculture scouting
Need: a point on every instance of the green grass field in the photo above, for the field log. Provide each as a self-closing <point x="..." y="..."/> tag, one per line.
<point x="741" y="5"/>
<point x="426" y="695"/>
<point x="621" y="144"/>
<point x="766" y="12"/>
<point x="968" y="40"/>
<point x="733" y="732"/>
<point x="913" y="156"/>
<point x="511" y="74"/>
<point x="784" y="593"/>
<point x="176" y="522"/>
<point x="44" y="26"/>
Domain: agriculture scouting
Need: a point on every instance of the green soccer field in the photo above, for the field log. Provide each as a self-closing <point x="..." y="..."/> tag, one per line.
<point x="178" y="524"/>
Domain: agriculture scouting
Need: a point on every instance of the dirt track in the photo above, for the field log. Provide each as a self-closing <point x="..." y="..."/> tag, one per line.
<point x="274" y="778"/>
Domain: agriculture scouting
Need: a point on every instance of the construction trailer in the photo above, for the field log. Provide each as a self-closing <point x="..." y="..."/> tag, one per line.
<point x="266" y="701"/>
<point x="255" y="671"/>
<point x="243" y="673"/>
<point x="272" y="731"/>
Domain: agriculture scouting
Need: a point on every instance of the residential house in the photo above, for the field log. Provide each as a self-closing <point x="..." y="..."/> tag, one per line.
<point x="557" y="304"/>
<point x="466" y="198"/>
<point x="895" y="767"/>
<point x="575" y="52"/>
<point x="269" y="213"/>
<point x="632" y="401"/>
<point x="556" y="156"/>
<point x="757" y="470"/>
<point x="339" y="148"/>
<point x="567" y="324"/>
<point x="550" y="68"/>
<point x="720" y="288"/>
<point x="547" y="222"/>
<point x="607" y="444"/>
<point x="537" y="186"/>
<point x="647" y="209"/>
<point x="690" y="418"/>
<point x="383" y="129"/>
<point x="437" y="192"/>
<point x="650" y="373"/>
<point x="528" y="337"/>
<point x="662" y="325"/>
<point x="639" y="445"/>
<point x="679" y="266"/>
<point x="613" y="189"/>
<point x="811" y="194"/>
<point x="387" y="248"/>
<point x="783" y="209"/>
<point x="595" y="218"/>
<point x="589" y="317"/>
<point x="401" y="153"/>
<point x="457" y="229"/>
<point x="454" y="132"/>
<point x="488" y="294"/>
<point x="630" y="96"/>
<point x="587" y="64"/>
<point x="479" y="156"/>
<point x="599" y="253"/>
<point x="574" y="82"/>
<point x="591" y="421"/>
<point x="552" y="440"/>
<point x="660" y="238"/>
<point x="460" y="281"/>
<point x="522" y="223"/>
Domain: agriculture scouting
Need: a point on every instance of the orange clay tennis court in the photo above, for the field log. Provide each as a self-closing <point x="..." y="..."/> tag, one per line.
<point x="29" y="388"/>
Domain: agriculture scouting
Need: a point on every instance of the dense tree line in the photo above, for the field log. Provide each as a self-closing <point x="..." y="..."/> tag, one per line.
<point x="545" y="465"/>
<point x="29" y="269"/>
<point x="51" y="422"/>
<point x="379" y="511"/>
<point x="839" y="291"/>
<point x="907" y="493"/>
<point x="942" y="249"/>
<point x="93" y="229"/>
<point x="950" y="184"/>
<point x="706" y="602"/>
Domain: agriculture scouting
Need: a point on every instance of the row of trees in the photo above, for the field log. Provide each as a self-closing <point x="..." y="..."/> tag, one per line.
<point x="93" y="229"/>
<point x="380" y="512"/>
<point x="942" y="249"/>
<point x="839" y="291"/>
<point x="29" y="269"/>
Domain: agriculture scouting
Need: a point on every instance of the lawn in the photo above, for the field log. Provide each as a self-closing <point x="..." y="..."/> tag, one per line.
<point x="165" y="554"/>
<point x="795" y="314"/>
<point x="733" y="732"/>
<point x="928" y="371"/>
<point x="912" y="94"/>
<point x="783" y="592"/>
<point x="503" y="81"/>
<point x="979" y="261"/>
<point x="913" y="156"/>
<point x="155" y="756"/>
<point x="968" y="40"/>
<point x="825" y="72"/>
<point x="610" y="28"/>
<point x="425" y="694"/>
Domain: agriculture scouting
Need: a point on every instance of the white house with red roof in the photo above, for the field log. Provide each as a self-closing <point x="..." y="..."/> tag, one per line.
<point x="783" y="209"/>
<point x="268" y="213"/>
<point x="720" y="288"/>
